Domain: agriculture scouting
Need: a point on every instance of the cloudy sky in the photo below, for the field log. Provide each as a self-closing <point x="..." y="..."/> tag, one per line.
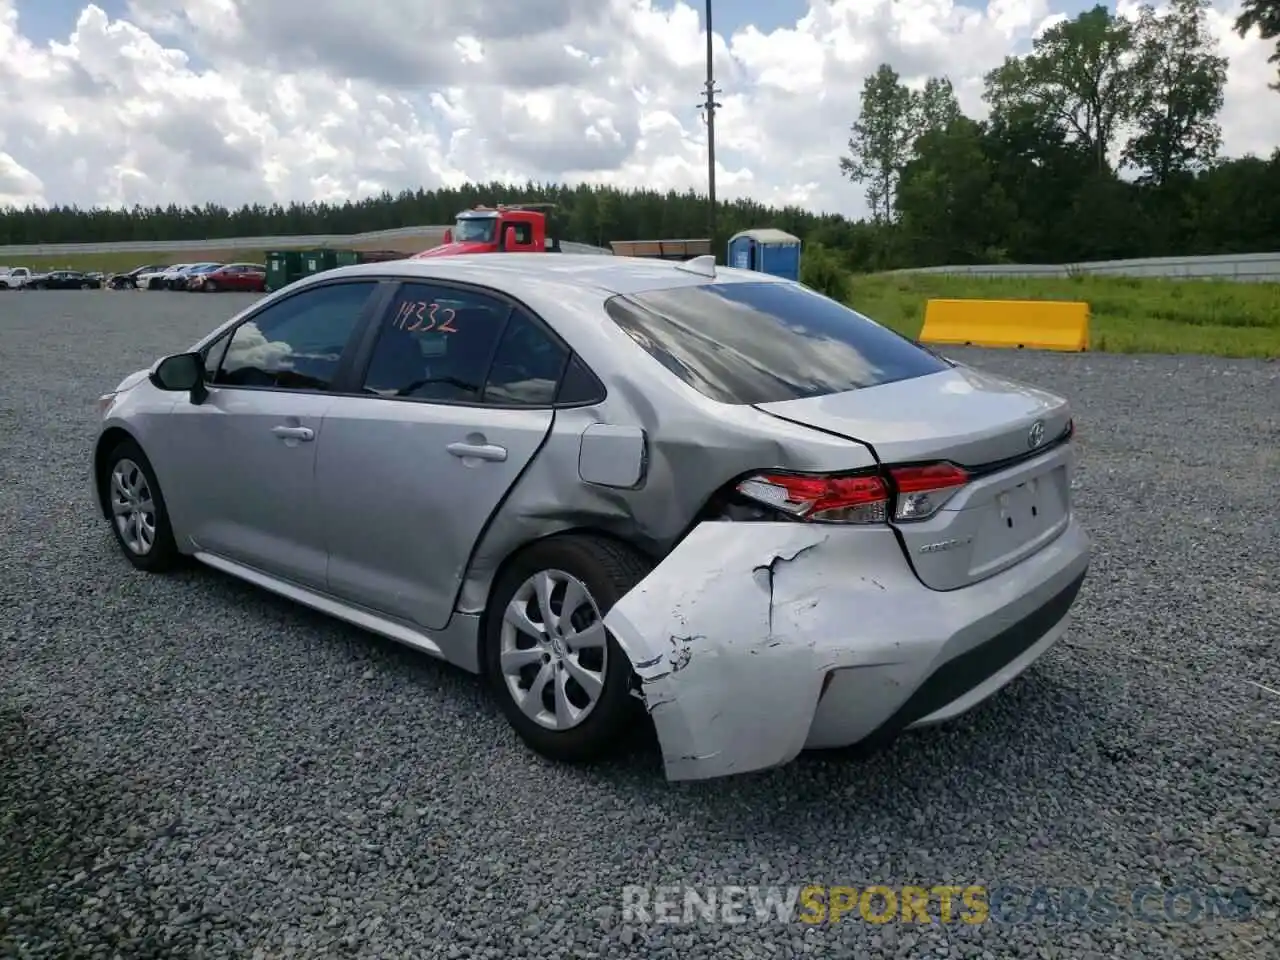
<point x="186" y="101"/>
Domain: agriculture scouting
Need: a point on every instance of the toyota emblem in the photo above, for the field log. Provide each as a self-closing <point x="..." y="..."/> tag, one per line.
<point x="1035" y="436"/>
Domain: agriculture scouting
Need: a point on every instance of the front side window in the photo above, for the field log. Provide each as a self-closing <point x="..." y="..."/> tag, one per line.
<point x="764" y="342"/>
<point x="295" y="344"/>
<point x="436" y="343"/>
<point x="213" y="354"/>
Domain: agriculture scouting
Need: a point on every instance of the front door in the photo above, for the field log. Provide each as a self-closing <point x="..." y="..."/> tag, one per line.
<point x="410" y="473"/>
<point x="245" y="458"/>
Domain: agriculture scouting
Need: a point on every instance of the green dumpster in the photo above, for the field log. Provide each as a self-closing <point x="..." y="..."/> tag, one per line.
<point x="345" y="258"/>
<point x="283" y="267"/>
<point x="318" y="261"/>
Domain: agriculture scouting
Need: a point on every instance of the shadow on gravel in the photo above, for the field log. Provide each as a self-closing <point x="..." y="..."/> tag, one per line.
<point x="880" y="775"/>
<point x="55" y="830"/>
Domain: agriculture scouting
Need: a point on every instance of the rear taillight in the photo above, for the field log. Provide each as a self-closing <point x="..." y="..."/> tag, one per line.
<point x="852" y="498"/>
<point x="923" y="490"/>
<point x="910" y="493"/>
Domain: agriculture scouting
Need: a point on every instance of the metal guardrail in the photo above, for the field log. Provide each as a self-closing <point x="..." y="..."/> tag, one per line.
<point x="1243" y="268"/>
<point x="431" y="234"/>
<point x="569" y="246"/>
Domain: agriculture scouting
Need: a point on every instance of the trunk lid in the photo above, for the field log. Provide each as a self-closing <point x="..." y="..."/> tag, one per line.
<point x="1018" y="499"/>
<point x="966" y="416"/>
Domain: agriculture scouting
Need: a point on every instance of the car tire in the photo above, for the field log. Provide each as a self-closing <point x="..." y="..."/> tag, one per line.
<point x="127" y="478"/>
<point x="210" y="287"/>
<point x="606" y="570"/>
<point x="86" y="286"/>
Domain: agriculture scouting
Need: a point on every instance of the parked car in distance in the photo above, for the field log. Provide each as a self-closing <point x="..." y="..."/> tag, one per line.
<point x="65" y="280"/>
<point x="623" y="491"/>
<point x="16" y="279"/>
<point x="129" y="280"/>
<point x="247" y="277"/>
<point x="171" y="273"/>
<point x="154" y="279"/>
<point x="176" y="277"/>
<point x="178" y="281"/>
<point x="194" y="277"/>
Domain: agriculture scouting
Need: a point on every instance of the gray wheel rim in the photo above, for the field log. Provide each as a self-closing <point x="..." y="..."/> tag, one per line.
<point x="554" y="652"/>
<point x="133" y="507"/>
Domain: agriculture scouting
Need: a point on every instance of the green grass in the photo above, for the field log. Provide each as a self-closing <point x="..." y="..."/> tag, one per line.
<point x="1127" y="314"/>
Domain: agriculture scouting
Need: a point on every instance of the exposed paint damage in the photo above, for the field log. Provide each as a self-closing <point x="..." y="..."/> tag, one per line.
<point x="731" y="646"/>
<point x="765" y="572"/>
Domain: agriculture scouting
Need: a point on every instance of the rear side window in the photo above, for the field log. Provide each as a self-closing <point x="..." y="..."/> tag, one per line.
<point x="527" y="367"/>
<point x="436" y="343"/>
<point x="745" y="343"/>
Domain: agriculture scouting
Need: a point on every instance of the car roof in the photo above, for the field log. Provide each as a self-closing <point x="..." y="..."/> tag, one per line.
<point x="513" y="273"/>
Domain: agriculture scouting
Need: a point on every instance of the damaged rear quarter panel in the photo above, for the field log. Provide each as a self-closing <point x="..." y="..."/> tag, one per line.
<point x="694" y="446"/>
<point x="732" y="635"/>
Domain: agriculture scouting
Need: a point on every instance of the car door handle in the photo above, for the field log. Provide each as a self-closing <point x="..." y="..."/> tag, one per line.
<point x="481" y="451"/>
<point x="294" y="433"/>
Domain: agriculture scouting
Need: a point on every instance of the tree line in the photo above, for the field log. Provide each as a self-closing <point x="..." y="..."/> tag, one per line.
<point x="586" y="214"/>
<point x="1102" y="142"/>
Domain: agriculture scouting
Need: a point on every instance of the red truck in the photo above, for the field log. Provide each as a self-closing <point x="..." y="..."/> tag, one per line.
<point x="506" y="228"/>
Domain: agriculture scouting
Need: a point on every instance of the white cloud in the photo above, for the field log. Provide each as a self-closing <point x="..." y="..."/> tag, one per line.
<point x="247" y="100"/>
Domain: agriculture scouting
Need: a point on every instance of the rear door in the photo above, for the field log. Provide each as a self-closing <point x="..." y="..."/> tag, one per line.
<point x="411" y="471"/>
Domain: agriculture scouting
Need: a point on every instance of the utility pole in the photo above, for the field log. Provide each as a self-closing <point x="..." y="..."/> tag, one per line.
<point x="709" y="117"/>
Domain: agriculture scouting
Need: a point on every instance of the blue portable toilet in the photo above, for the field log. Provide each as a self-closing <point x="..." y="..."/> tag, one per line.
<point x="767" y="251"/>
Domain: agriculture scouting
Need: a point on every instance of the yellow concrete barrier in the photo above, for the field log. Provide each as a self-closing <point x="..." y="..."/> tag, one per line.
<point x="1034" y="324"/>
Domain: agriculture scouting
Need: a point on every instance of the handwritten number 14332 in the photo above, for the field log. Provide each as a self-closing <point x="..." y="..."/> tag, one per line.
<point x="421" y="316"/>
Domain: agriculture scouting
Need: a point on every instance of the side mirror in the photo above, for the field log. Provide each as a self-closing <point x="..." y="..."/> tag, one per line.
<point x="181" y="373"/>
<point x="448" y="236"/>
<point x="507" y="233"/>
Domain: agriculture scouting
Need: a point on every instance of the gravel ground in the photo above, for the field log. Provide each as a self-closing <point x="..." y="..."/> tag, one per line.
<point x="191" y="768"/>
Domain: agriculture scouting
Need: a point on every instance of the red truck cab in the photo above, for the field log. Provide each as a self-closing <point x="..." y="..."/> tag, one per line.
<point x="518" y="228"/>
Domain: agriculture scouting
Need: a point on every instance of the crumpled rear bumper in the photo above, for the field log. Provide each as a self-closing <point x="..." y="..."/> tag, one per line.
<point x="754" y="641"/>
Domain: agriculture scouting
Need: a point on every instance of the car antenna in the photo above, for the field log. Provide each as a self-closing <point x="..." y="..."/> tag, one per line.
<point x="704" y="266"/>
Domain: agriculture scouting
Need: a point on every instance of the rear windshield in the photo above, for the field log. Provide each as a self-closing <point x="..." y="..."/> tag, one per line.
<point x="765" y="342"/>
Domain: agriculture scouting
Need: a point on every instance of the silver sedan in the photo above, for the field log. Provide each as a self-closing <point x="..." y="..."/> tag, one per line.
<point x="617" y="487"/>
